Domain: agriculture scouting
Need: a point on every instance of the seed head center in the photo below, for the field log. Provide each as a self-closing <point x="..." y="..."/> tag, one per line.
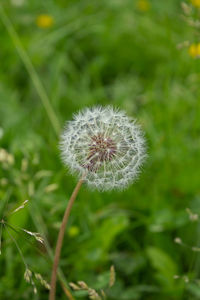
<point x="101" y="149"/>
<point x="104" y="148"/>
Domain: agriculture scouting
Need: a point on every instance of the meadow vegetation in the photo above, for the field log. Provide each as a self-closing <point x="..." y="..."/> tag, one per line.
<point x="57" y="57"/>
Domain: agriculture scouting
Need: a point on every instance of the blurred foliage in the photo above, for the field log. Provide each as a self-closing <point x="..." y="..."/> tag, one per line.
<point x="101" y="52"/>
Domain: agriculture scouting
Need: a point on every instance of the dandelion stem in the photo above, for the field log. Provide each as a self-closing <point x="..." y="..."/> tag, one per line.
<point x="60" y="240"/>
<point x="41" y="227"/>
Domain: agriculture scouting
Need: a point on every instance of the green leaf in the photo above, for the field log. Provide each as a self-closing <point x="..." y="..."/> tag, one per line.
<point x="164" y="264"/>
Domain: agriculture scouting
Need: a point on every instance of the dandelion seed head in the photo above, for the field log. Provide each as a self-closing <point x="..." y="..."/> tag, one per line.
<point x="104" y="144"/>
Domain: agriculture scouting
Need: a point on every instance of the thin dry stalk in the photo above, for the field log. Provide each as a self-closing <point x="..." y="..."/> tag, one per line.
<point x="67" y="292"/>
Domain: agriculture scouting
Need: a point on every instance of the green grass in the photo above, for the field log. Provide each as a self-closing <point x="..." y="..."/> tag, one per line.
<point x="101" y="52"/>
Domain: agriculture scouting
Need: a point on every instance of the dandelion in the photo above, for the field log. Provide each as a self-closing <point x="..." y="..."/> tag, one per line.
<point x="195" y="3"/>
<point x="194" y="50"/>
<point x="143" y="5"/>
<point x="73" y="231"/>
<point x="106" y="149"/>
<point x="44" y="21"/>
<point x="105" y="145"/>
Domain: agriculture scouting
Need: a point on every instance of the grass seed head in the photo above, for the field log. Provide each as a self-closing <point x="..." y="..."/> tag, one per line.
<point x="112" y="276"/>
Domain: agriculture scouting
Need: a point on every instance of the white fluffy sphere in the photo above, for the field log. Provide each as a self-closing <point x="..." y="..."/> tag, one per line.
<point x="105" y="146"/>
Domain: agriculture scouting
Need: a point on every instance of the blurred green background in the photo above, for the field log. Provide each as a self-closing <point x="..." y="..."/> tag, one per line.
<point x="57" y="57"/>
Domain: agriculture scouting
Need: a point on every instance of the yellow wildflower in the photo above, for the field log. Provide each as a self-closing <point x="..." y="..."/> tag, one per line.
<point x="143" y="5"/>
<point x="194" y="50"/>
<point x="198" y="49"/>
<point x="195" y="3"/>
<point x="73" y="231"/>
<point x="44" y="21"/>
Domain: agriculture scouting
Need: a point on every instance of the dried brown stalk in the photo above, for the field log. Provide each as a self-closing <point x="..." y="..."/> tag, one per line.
<point x="52" y="292"/>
